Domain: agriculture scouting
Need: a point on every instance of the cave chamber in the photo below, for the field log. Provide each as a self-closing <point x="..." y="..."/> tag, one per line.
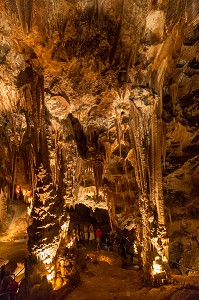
<point x="99" y="121"/>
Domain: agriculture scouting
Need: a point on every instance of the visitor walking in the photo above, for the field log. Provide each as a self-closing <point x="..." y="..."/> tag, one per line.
<point x="98" y="235"/>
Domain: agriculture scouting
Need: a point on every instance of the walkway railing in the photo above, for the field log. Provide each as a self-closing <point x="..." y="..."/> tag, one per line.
<point x="19" y="272"/>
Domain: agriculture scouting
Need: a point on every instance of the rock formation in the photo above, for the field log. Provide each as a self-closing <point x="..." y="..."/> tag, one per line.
<point x="99" y="106"/>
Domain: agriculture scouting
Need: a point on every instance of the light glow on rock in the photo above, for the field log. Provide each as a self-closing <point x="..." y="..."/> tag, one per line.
<point x="50" y="276"/>
<point x="157" y="266"/>
<point x="135" y="248"/>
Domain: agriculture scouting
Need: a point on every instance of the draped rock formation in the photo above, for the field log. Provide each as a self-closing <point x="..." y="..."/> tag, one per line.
<point x="99" y="106"/>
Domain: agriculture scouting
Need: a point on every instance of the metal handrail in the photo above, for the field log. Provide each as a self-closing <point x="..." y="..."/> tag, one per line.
<point x="19" y="272"/>
<point x="20" y="280"/>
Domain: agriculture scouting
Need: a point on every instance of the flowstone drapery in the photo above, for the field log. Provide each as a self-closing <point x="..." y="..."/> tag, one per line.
<point x="146" y="135"/>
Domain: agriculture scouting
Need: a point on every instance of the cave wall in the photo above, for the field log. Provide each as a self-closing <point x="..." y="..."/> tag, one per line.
<point x="99" y="100"/>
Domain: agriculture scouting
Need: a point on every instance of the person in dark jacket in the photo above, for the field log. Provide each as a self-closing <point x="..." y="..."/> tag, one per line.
<point x="3" y="272"/>
<point x="12" y="289"/>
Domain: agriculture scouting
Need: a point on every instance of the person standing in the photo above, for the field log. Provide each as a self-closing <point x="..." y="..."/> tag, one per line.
<point x="108" y="241"/>
<point x="86" y="233"/>
<point x="81" y="237"/>
<point x="3" y="272"/>
<point x="91" y="234"/>
<point x="98" y="235"/>
<point x="12" y="289"/>
<point x="77" y="238"/>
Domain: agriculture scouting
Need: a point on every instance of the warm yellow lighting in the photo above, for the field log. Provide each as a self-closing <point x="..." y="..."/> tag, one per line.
<point x="157" y="267"/>
<point x="17" y="189"/>
<point x="50" y="276"/>
<point x="27" y="195"/>
<point x="63" y="229"/>
<point x="70" y="244"/>
<point x="64" y="226"/>
<point x="105" y="258"/>
<point x="46" y="256"/>
<point x="29" y="209"/>
<point x="24" y="192"/>
<point x="135" y="248"/>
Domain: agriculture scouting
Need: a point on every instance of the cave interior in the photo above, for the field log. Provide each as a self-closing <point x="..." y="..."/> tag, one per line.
<point x="99" y="124"/>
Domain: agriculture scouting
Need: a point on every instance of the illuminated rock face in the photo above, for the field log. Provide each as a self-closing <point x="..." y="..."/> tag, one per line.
<point x="103" y="96"/>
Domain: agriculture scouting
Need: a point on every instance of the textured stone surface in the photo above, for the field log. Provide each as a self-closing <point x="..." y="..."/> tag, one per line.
<point x="70" y="72"/>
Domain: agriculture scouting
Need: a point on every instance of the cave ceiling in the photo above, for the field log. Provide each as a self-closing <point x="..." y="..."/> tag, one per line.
<point x="91" y="60"/>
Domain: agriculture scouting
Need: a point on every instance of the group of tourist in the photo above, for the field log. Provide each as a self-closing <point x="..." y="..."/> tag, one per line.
<point x="85" y="234"/>
<point x="112" y="241"/>
<point x="8" y="286"/>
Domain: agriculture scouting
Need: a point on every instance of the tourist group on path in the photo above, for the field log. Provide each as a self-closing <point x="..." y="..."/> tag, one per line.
<point x="85" y="234"/>
<point x="111" y="241"/>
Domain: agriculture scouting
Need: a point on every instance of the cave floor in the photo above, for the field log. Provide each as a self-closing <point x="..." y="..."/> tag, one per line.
<point x="104" y="278"/>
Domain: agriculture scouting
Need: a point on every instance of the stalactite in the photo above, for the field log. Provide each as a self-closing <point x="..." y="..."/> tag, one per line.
<point x="24" y="9"/>
<point x="13" y="174"/>
<point x="137" y="137"/>
<point x="117" y="39"/>
<point x="146" y="134"/>
<point x="111" y="208"/>
<point x="20" y="9"/>
<point x="98" y="173"/>
<point x="174" y="93"/>
<point x="156" y="142"/>
<point x="159" y="199"/>
<point x="118" y="131"/>
<point x="90" y="132"/>
<point x="151" y="168"/>
<point x="3" y="205"/>
<point x="164" y="143"/>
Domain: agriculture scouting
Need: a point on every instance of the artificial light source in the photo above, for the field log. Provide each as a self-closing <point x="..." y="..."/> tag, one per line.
<point x="135" y="248"/>
<point x="157" y="267"/>
<point x="50" y="276"/>
<point x="17" y="189"/>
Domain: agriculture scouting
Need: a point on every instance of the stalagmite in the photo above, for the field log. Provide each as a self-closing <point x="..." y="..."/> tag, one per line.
<point x="145" y="126"/>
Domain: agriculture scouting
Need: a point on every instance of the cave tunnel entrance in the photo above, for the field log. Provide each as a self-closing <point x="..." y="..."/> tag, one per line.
<point x="83" y="216"/>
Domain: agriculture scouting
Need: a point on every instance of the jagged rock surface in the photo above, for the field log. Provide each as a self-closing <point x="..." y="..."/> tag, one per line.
<point x="70" y="74"/>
